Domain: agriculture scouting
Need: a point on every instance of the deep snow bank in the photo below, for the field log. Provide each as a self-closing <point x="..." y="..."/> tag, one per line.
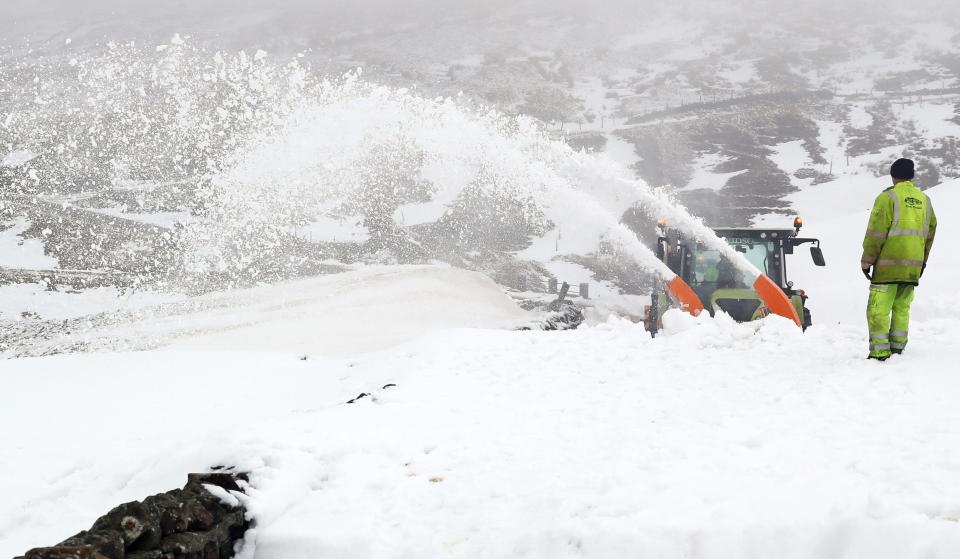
<point x="364" y="310"/>
<point x="367" y="309"/>
<point x="716" y="440"/>
<point x="838" y="292"/>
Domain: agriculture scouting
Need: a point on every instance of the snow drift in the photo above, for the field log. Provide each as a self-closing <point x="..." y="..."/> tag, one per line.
<point x="592" y="443"/>
<point x="715" y="440"/>
<point x="355" y="312"/>
<point x="369" y="309"/>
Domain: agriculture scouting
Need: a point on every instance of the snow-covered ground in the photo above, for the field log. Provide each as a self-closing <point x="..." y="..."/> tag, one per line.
<point x="705" y="176"/>
<point x="932" y="120"/>
<point x="19" y="252"/>
<point x="37" y="300"/>
<point x="714" y="440"/>
<point x="353" y="313"/>
<point x="369" y="309"/>
<point x="790" y="156"/>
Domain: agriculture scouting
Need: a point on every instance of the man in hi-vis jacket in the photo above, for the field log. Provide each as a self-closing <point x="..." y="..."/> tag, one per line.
<point x="895" y="252"/>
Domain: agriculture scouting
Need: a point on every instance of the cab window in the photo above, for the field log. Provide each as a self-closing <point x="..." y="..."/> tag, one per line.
<point x="762" y="254"/>
<point x="714" y="270"/>
<point x="706" y="266"/>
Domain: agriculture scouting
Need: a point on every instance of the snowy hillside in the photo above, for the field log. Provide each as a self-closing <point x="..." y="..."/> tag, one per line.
<point x="715" y="440"/>
<point x="318" y="241"/>
<point x="732" y="108"/>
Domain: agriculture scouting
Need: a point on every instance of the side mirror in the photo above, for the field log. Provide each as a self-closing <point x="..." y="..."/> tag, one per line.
<point x="817" y="255"/>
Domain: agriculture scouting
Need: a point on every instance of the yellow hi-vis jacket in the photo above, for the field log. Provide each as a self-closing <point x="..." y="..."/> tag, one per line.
<point x="900" y="234"/>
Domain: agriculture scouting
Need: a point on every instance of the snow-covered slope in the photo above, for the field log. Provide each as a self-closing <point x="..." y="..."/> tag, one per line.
<point x="367" y="309"/>
<point x="715" y="440"/>
<point x="351" y="313"/>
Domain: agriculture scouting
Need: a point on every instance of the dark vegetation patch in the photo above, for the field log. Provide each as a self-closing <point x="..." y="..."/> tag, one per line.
<point x="778" y="71"/>
<point x="744" y="138"/>
<point x="587" y="142"/>
<point x="881" y="133"/>
<point x="904" y="80"/>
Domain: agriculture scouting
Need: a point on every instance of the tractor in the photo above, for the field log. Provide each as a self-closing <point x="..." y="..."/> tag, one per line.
<point x="717" y="281"/>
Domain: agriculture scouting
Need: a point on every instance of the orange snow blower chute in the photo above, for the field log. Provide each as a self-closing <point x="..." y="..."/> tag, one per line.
<point x="775" y="299"/>
<point x="685" y="296"/>
<point x="710" y="278"/>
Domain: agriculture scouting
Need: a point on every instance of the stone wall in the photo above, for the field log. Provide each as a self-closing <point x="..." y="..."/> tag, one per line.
<point x="188" y="523"/>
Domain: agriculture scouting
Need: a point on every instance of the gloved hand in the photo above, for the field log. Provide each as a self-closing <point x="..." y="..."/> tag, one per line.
<point x="866" y="272"/>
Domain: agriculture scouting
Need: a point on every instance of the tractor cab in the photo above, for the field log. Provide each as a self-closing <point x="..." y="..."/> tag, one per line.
<point x="718" y="282"/>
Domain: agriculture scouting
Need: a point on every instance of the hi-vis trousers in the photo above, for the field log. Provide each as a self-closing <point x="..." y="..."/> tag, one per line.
<point x="888" y="318"/>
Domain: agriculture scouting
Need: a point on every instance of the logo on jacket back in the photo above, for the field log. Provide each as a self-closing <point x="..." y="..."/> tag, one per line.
<point x="913" y="202"/>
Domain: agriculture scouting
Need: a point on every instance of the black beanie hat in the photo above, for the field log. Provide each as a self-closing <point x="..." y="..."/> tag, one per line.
<point x="902" y="169"/>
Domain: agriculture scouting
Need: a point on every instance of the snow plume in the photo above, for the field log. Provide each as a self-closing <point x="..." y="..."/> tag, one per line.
<point x="366" y="153"/>
<point x="356" y="151"/>
<point x="164" y="114"/>
<point x="261" y="153"/>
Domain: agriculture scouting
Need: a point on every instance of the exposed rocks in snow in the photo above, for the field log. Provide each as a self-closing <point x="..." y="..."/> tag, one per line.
<point x="565" y="316"/>
<point x="204" y="519"/>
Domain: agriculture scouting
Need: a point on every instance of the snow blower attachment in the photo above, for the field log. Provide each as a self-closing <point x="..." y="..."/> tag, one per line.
<point x="708" y="275"/>
<point x="684" y="296"/>
<point x="775" y="299"/>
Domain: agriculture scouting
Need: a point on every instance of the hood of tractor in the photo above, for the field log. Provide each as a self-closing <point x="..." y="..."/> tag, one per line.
<point x="741" y="304"/>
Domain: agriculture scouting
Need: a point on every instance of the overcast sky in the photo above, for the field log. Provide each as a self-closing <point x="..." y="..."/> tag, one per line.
<point x="51" y="19"/>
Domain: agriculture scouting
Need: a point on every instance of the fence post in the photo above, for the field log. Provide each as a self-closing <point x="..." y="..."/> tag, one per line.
<point x="585" y="290"/>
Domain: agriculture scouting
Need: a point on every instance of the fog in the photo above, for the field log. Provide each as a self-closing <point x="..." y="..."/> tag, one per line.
<point x="239" y="20"/>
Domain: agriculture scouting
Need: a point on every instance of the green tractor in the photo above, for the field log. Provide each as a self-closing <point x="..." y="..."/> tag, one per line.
<point x="717" y="281"/>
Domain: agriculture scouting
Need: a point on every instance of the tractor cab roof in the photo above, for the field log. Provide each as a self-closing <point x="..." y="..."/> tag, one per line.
<point x="755" y="233"/>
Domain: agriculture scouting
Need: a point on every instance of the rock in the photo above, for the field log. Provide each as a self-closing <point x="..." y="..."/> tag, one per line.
<point x="108" y="543"/>
<point x="191" y="544"/>
<point x="188" y="523"/>
<point x="79" y="552"/>
<point x="154" y="554"/>
<point x="198" y="517"/>
<point x="139" y="525"/>
<point x="166" y="506"/>
<point x="220" y="479"/>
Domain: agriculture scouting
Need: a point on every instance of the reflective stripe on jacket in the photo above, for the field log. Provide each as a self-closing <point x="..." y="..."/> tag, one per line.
<point x="900" y="234"/>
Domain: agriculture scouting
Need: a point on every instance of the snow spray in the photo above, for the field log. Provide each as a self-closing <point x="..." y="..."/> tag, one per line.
<point x="254" y="147"/>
